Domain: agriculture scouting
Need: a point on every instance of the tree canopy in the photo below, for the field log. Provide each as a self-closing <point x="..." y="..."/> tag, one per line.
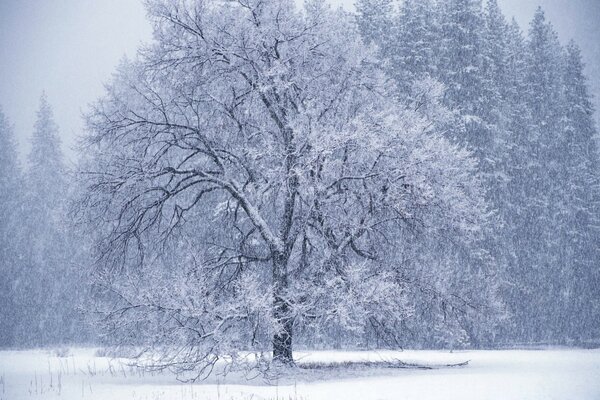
<point x="250" y="174"/>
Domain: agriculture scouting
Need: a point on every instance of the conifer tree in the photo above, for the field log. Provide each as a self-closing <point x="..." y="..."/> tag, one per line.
<point x="542" y="225"/>
<point x="495" y="63"/>
<point x="50" y="281"/>
<point x="10" y="214"/>
<point x="517" y="202"/>
<point x="581" y="275"/>
<point x="461" y="60"/>
<point x="374" y="19"/>
<point x="414" y="48"/>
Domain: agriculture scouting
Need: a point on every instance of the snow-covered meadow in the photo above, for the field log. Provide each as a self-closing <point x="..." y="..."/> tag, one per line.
<point x="499" y="374"/>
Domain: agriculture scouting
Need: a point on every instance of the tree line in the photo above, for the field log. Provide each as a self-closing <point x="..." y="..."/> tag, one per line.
<point x="526" y="112"/>
<point x="41" y="258"/>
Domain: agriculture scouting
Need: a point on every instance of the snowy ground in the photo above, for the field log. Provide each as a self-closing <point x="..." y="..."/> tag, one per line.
<point x="506" y="374"/>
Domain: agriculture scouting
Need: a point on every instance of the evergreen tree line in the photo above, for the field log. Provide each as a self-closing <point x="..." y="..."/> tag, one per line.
<point x="523" y="107"/>
<point x="42" y="282"/>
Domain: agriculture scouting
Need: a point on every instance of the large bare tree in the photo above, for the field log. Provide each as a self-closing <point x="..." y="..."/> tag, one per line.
<point x="251" y="173"/>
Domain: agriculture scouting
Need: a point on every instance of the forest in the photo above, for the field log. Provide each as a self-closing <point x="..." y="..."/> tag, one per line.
<point x="266" y="178"/>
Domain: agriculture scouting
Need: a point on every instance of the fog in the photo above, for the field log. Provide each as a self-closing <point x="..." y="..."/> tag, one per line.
<point x="69" y="48"/>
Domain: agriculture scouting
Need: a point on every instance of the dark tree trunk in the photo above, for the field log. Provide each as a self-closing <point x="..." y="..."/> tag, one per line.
<point x="282" y="340"/>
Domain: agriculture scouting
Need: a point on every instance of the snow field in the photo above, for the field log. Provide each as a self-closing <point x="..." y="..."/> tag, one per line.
<point x="500" y="374"/>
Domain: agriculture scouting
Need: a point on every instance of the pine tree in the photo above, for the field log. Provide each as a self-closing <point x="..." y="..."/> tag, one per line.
<point x="543" y="224"/>
<point x="461" y="67"/>
<point x="10" y="232"/>
<point x="517" y="203"/>
<point x="495" y="62"/>
<point x="516" y="71"/>
<point x="581" y="275"/>
<point x="374" y="19"/>
<point x="46" y="166"/>
<point x="461" y="62"/>
<point x="415" y="45"/>
<point x="494" y="111"/>
<point x="50" y="284"/>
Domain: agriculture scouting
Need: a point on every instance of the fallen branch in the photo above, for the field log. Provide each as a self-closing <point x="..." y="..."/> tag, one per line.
<point x="397" y="364"/>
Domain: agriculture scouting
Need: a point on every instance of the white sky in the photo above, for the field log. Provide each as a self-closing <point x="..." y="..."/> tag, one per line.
<point x="69" y="48"/>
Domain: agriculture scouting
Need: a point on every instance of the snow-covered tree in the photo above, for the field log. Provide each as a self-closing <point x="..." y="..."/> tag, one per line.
<point x="11" y="197"/>
<point x="514" y="199"/>
<point x="580" y="291"/>
<point x="495" y="65"/>
<point x="49" y="284"/>
<point x="552" y="191"/>
<point x="375" y="20"/>
<point x="251" y="174"/>
<point x="415" y="47"/>
<point x="461" y="25"/>
<point x="539" y="260"/>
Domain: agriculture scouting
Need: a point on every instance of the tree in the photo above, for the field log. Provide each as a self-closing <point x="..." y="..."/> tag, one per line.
<point x="495" y="66"/>
<point x="248" y="176"/>
<point x="374" y="20"/>
<point x="50" y="284"/>
<point x="461" y="25"/>
<point x="541" y="260"/>
<point x="580" y="204"/>
<point x="416" y="44"/>
<point x="516" y="200"/>
<point x="10" y="212"/>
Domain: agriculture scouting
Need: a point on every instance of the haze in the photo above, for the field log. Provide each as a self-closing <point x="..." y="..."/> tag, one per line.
<point x="68" y="48"/>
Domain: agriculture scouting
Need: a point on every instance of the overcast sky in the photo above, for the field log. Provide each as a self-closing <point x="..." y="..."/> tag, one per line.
<point x="69" y="48"/>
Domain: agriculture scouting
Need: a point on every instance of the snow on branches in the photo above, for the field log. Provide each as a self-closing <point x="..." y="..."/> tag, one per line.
<point x="251" y="172"/>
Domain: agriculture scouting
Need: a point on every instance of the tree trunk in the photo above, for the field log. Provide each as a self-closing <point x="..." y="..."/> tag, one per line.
<point x="282" y="340"/>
